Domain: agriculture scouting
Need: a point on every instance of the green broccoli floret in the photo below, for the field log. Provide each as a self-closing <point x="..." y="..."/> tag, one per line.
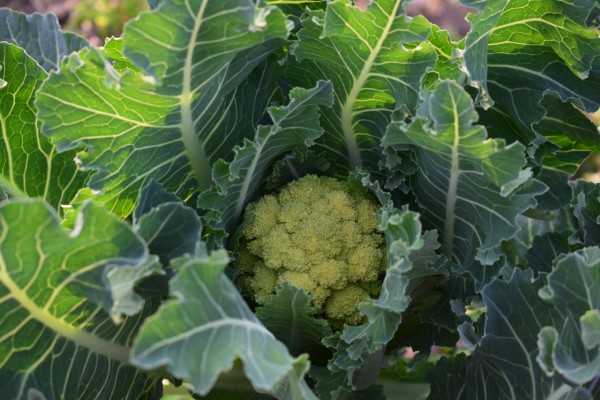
<point x="319" y="235"/>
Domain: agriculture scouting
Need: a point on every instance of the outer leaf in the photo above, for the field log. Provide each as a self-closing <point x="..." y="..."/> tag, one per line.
<point x="40" y="36"/>
<point x="572" y="136"/>
<point x="546" y="248"/>
<point x="508" y="362"/>
<point x="586" y="207"/>
<point x="29" y="164"/>
<point x="541" y="238"/>
<point x="529" y="56"/>
<point x="201" y="333"/>
<point x="151" y="196"/>
<point x="290" y="317"/>
<point x="54" y="341"/>
<point x="447" y="65"/>
<point x="372" y="72"/>
<point x="166" y="126"/>
<point x="294" y="126"/>
<point x="505" y="359"/>
<point x="169" y="227"/>
<point x="471" y="188"/>
<point x="574" y="289"/>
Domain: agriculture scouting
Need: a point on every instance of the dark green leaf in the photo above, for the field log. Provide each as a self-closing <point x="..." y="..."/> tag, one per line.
<point x="527" y="58"/>
<point x="169" y="227"/>
<point x="167" y="125"/>
<point x="152" y="196"/>
<point x="289" y="315"/>
<point x="507" y="362"/>
<point x="586" y="207"/>
<point x="372" y="72"/>
<point x="29" y="164"/>
<point x="472" y="188"/>
<point x="574" y="289"/>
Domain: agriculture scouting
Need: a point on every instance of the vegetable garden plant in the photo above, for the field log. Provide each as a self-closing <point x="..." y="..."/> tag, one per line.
<point x="299" y="191"/>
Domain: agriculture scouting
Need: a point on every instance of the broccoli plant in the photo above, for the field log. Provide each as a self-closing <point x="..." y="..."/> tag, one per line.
<point x="317" y="236"/>
<point x="285" y="198"/>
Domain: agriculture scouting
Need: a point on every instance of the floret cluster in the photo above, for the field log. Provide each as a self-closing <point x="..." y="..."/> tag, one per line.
<point x="319" y="235"/>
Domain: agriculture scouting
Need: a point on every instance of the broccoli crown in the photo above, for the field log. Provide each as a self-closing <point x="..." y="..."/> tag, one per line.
<point x="319" y="235"/>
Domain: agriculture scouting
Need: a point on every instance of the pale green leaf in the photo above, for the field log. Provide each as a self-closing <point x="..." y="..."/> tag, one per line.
<point x="373" y="71"/>
<point x="40" y="36"/>
<point x="472" y="188"/>
<point x="209" y="318"/>
<point x="447" y="65"/>
<point x="29" y="164"/>
<point x="56" y="340"/>
<point x="168" y="125"/>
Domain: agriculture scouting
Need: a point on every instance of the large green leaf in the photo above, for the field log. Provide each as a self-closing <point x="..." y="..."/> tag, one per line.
<point x="444" y="378"/>
<point x="503" y="365"/>
<point x="40" y="36"/>
<point x="528" y="57"/>
<point x="472" y="188"/>
<point x="29" y="164"/>
<point x="359" y="346"/>
<point x="166" y="125"/>
<point x="294" y="126"/>
<point x="373" y="73"/>
<point x="540" y="336"/>
<point x="210" y="320"/>
<point x="289" y="315"/>
<point x="56" y="339"/>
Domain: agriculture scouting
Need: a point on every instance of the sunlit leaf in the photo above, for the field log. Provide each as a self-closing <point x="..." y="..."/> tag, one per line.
<point x="57" y="338"/>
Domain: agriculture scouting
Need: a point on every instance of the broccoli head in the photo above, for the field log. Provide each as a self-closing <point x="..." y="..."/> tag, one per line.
<point x="319" y="235"/>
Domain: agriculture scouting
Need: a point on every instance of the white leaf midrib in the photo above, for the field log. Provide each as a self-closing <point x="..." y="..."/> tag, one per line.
<point x="359" y="83"/>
